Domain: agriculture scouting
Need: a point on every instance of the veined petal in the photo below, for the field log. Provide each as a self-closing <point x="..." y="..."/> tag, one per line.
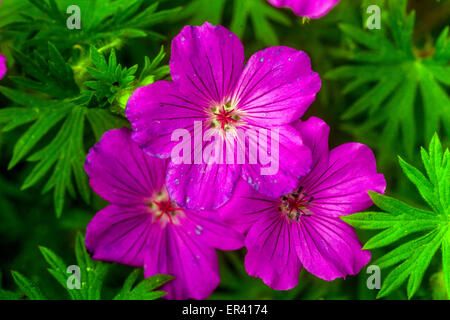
<point x="314" y="133"/>
<point x="329" y="248"/>
<point x="120" y="234"/>
<point x="201" y="186"/>
<point x="209" y="229"/>
<point x="276" y="86"/>
<point x="195" y="267"/>
<point x="271" y="252"/>
<point x="246" y="206"/>
<point x="120" y="172"/>
<point x="342" y="187"/>
<point x="307" y="8"/>
<point x="156" y="111"/>
<point x="207" y="61"/>
<point x="281" y="174"/>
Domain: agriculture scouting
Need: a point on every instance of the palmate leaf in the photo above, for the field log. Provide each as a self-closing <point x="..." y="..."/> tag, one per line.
<point x="28" y="287"/>
<point x="412" y="258"/>
<point x="112" y="84"/>
<point x="92" y="276"/>
<point x="50" y="75"/>
<point x="105" y="91"/>
<point x="144" y="290"/>
<point x="65" y="153"/>
<point x="101" y="20"/>
<point x="110" y="77"/>
<point x="64" y="156"/>
<point x="396" y="72"/>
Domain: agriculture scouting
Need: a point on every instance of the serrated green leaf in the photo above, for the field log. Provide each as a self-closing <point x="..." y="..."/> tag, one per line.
<point x="143" y="290"/>
<point x="29" y="288"/>
<point x="396" y="72"/>
<point x="414" y="256"/>
<point x="47" y="120"/>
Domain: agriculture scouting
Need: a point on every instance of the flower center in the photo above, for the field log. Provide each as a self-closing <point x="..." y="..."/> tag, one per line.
<point x="164" y="209"/>
<point x="224" y="117"/>
<point x="167" y="208"/>
<point x="296" y="204"/>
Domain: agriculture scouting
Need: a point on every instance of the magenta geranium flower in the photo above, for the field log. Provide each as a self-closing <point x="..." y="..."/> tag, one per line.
<point x="143" y="228"/>
<point x="2" y="66"/>
<point x="303" y="228"/>
<point x="210" y="86"/>
<point x="313" y="9"/>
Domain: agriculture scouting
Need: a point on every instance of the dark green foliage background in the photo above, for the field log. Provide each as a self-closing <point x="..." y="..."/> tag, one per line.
<point x="47" y="62"/>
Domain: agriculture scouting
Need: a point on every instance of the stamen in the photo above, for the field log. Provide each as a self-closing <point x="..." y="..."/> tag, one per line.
<point x="166" y="208"/>
<point x="224" y="116"/>
<point x="296" y="205"/>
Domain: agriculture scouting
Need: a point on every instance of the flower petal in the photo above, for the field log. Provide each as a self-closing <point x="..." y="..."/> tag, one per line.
<point x="342" y="188"/>
<point x="201" y="186"/>
<point x="195" y="267"/>
<point x="208" y="228"/>
<point x="271" y="253"/>
<point x="120" y="234"/>
<point x="307" y="8"/>
<point x="2" y="66"/>
<point x="245" y="207"/>
<point x="207" y="61"/>
<point x="281" y="175"/>
<point x="120" y="172"/>
<point x="276" y="86"/>
<point x="156" y="111"/>
<point x="328" y="247"/>
<point x="314" y="134"/>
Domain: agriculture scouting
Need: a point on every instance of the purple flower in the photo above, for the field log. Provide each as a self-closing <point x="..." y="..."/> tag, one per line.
<point x="2" y="66"/>
<point x="143" y="228"/>
<point x="211" y="86"/>
<point x="303" y="228"/>
<point x="313" y="9"/>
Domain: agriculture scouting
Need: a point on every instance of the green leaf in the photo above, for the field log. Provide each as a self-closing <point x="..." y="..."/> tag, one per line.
<point x="412" y="258"/>
<point x="445" y="262"/>
<point x="143" y="290"/>
<point x="58" y="270"/>
<point x="48" y="74"/>
<point x="66" y="153"/>
<point x="92" y="276"/>
<point x="110" y="78"/>
<point x="106" y="21"/>
<point x="29" y="288"/>
<point x="61" y="155"/>
<point x="392" y="102"/>
<point x="47" y="119"/>
<point x="92" y="272"/>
